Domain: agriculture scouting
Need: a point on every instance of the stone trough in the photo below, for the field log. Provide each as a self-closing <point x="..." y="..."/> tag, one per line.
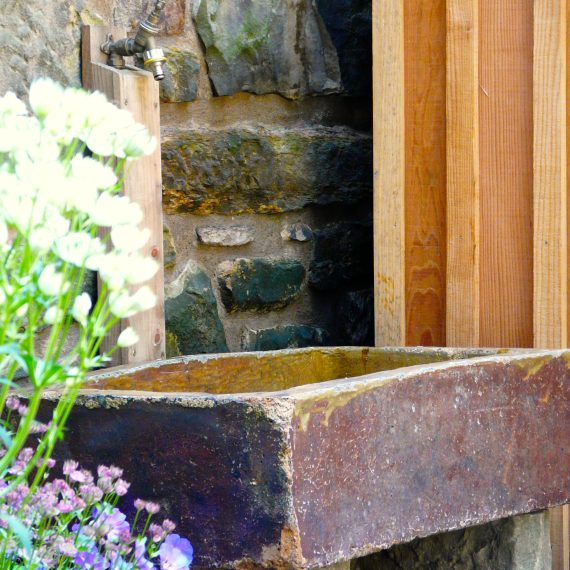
<point x="306" y="458"/>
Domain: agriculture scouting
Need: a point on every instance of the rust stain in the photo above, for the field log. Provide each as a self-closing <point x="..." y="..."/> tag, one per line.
<point x="327" y="402"/>
<point x="532" y="365"/>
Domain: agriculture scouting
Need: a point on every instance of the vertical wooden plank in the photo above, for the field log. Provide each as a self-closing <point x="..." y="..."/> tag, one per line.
<point x="506" y="155"/>
<point x="550" y="207"/>
<point x="550" y="185"/>
<point x="425" y="171"/>
<point x="136" y="91"/>
<point x="462" y="315"/>
<point x="388" y="129"/>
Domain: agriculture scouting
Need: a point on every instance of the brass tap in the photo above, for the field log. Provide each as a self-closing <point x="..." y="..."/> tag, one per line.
<point x="142" y="44"/>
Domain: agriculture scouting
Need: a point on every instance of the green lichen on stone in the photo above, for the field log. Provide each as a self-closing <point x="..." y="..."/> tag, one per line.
<point x="251" y="37"/>
<point x="169" y="247"/>
<point x="241" y="171"/>
<point x="180" y="82"/>
<point x="267" y="46"/>
<point x="192" y="319"/>
<point x="259" y="284"/>
<point x="171" y="342"/>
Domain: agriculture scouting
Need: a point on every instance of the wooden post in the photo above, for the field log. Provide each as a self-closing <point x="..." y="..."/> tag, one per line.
<point x="389" y="151"/>
<point x="425" y="171"/>
<point x="463" y="215"/>
<point x="506" y="172"/>
<point x="550" y="208"/>
<point x="136" y="91"/>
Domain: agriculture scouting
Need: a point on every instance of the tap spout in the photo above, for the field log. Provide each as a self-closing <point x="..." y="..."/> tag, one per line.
<point x="142" y="44"/>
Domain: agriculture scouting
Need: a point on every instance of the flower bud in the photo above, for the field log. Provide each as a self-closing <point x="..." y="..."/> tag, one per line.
<point x="127" y="338"/>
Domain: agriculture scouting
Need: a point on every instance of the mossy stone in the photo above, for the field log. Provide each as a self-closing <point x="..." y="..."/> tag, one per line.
<point x="180" y="83"/>
<point x="267" y="171"/>
<point x="267" y="46"/>
<point x="259" y="284"/>
<point x="192" y="321"/>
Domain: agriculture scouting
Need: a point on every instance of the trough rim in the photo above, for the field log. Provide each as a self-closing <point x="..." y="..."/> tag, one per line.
<point x="305" y="391"/>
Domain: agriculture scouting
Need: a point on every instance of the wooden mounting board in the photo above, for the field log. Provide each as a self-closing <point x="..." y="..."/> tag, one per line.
<point x="136" y="91"/>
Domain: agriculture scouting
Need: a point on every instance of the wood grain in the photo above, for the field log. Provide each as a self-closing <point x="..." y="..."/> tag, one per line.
<point x="506" y="155"/>
<point x="136" y="91"/>
<point x="550" y="207"/>
<point x="425" y="174"/>
<point x="550" y="185"/>
<point x="463" y="224"/>
<point x="388" y="81"/>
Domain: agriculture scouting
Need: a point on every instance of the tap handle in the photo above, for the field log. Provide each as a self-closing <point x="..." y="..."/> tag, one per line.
<point x="152" y="23"/>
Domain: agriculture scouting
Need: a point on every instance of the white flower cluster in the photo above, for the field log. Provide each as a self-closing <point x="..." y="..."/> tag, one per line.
<point x="54" y="198"/>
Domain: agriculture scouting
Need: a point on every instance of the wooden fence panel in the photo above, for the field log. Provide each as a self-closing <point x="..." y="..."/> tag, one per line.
<point x="388" y="79"/>
<point x="506" y="139"/>
<point x="463" y="220"/>
<point x="425" y="171"/>
<point x="483" y="119"/>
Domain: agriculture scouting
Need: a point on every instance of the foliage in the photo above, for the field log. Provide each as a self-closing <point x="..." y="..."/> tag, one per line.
<point x="60" y="172"/>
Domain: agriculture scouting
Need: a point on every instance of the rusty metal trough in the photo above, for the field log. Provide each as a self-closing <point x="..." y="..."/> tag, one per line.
<point x="304" y="458"/>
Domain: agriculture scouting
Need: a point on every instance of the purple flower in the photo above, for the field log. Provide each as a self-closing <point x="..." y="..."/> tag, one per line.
<point x="156" y="532"/>
<point x="176" y="553"/>
<point x="139" y="504"/>
<point x="140" y="550"/>
<point x="113" y="524"/>
<point x="152" y="508"/>
<point x="12" y="403"/>
<point x="121" y="487"/>
<point x="69" y="467"/>
<point x="91" y="493"/>
<point x="90" y="560"/>
<point x="115" y="472"/>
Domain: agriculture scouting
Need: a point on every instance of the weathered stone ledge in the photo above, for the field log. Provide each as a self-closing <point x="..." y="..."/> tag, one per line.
<point x="243" y="170"/>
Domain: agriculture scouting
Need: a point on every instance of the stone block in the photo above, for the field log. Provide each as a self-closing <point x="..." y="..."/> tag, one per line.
<point x="192" y="321"/>
<point x="128" y="14"/>
<point x="267" y="46"/>
<point x="285" y="336"/>
<point x="349" y="23"/>
<point x="516" y="543"/>
<point x="299" y="459"/>
<point x="241" y="170"/>
<point x="297" y="232"/>
<point x="180" y="81"/>
<point x="342" y="257"/>
<point x="259" y="284"/>
<point x="228" y="236"/>
<point x="169" y="247"/>
<point x="39" y="38"/>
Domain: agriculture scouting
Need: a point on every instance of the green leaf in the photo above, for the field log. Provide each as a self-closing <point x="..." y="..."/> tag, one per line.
<point x="6" y="437"/>
<point x="19" y="530"/>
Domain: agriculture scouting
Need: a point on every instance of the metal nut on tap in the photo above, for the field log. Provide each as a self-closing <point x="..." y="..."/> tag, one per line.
<point x="153" y="59"/>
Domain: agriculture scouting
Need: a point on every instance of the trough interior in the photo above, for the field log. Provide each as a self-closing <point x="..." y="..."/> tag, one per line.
<point x="267" y="372"/>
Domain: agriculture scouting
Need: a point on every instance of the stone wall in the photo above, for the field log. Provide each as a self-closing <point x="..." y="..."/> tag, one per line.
<point x="266" y="159"/>
<point x="517" y="543"/>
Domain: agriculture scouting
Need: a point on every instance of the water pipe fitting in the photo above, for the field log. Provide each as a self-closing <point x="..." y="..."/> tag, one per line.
<point x="143" y="44"/>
